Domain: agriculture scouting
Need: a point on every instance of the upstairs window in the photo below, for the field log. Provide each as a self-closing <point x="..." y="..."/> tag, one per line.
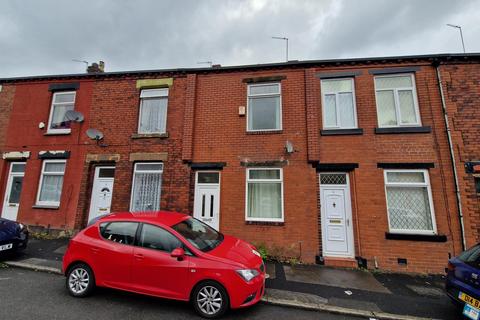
<point x="61" y="103"/>
<point x="397" y="104"/>
<point x="147" y="187"/>
<point x="153" y="111"/>
<point x="51" y="182"/>
<point x="338" y="100"/>
<point x="264" y="107"/>
<point x="409" y="202"/>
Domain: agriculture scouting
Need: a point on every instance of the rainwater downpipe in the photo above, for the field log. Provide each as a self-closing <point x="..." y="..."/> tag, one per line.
<point x="452" y="156"/>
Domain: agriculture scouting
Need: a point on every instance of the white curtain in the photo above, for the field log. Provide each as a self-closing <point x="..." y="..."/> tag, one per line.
<point x="58" y="117"/>
<point x="51" y="188"/>
<point x="154" y="113"/>
<point x="264" y="200"/>
<point x="146" y="191"/>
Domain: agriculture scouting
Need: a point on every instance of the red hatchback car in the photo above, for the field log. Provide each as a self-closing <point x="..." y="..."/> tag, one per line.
<point x="168" y="255"/>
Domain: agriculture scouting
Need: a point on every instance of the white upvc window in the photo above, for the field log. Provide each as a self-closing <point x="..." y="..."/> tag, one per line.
<point x="264" y="200"/>
<point x="51" y="182"/>
<point x="409" y="202"/>
<point x="338" y="101"/>
<point x="264" y="107"/>
<point x="153" y="111"/>
<point x="397" y="103"/>
<point x="61" y="103"/>
<point x="146" y="186"/>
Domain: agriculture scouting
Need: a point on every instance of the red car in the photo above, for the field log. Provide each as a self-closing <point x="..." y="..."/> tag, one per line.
<point x="168" y="255"/>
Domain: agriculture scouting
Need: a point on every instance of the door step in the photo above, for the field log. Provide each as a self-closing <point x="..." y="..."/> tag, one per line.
<point x="341" y="262"/>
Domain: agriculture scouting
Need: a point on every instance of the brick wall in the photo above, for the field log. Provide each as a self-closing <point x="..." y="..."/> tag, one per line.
<point x="462" y="94"/>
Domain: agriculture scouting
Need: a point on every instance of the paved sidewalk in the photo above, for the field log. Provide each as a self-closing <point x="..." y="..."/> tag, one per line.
<point x="343" y="291"/>
<point x="377" y="293"/>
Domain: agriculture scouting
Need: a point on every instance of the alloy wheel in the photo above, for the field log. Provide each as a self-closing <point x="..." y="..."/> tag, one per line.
<point x="209" y="300"/>
<point x="78" y="280"/>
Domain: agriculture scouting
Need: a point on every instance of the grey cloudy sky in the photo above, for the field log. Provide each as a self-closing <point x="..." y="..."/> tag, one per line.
<point x="41" y="37"/>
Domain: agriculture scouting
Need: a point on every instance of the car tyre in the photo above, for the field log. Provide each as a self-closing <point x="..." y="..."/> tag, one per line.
<point x="80" y="280"/>
<point x="210" y="300"/>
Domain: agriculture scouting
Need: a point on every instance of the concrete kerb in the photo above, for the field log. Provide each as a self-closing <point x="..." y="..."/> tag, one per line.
<point x="266" y="299"/>
<point x="33" y="267"/>
<point x="337" y="310"/>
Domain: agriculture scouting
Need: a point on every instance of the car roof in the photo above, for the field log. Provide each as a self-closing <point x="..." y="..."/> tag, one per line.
<point x="166" y="218"/>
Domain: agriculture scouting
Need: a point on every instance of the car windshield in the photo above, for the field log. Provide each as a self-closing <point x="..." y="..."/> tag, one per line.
<point x="199" y="234"/>
<point x="471" y="256"/>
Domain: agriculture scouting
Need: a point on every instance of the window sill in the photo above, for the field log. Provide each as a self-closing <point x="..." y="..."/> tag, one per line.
<point x="416" y="237"/>
<point x="264" y="132"/>
<point x="338" y="132"/>
<point x="265" y="223"/>
<point x="56" y="133"/>
<point x="403" y="130"/>
<point x="149" y="135"/>
<point x="38" y="206"/>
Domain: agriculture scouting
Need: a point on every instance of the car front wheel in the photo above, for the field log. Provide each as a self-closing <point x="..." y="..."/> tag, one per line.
<point x="80" y="280"/>
<point x="210" y="300"/>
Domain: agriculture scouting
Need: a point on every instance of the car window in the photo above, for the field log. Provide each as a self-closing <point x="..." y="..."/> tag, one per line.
<point x="153" y="237"/>
<point x="199" y="234"/>
<point x="121" y="232"/>
<point x="471" y="256"/>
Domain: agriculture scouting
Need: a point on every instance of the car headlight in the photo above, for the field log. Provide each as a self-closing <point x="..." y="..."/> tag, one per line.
<point x="248" y="274"/>
<point x="21" y="226"/>
<point x="255" y="252"/>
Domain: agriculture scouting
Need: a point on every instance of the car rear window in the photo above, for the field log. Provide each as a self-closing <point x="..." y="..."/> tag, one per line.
<point x="120" y="232"/>
<point x="471" y="256"/>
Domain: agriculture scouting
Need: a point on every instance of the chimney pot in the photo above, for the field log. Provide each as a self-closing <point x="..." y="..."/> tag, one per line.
<point x="96" y="67"/>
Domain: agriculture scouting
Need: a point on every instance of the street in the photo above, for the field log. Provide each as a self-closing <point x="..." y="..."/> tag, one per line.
<point x="36" y="295"/>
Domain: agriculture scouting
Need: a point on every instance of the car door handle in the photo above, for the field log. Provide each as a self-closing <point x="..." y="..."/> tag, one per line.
<point x="138" y="256"/>
<point x="95" y="250"/>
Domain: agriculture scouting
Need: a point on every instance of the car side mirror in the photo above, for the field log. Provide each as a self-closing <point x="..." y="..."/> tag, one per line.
<point x="178" y="253"/>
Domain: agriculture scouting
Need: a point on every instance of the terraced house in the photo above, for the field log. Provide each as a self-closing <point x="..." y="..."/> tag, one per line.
<point x="344" y="162"/>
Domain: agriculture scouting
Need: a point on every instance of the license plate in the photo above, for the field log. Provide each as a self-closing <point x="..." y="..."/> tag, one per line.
<point x="471" y="312"/>
<point x="469" y="300"/>
<point x="6" y="246"/>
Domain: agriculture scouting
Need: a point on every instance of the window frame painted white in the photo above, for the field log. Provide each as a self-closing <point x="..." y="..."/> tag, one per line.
<point x="40" y="185"/>
<point x="52" y="107"/>
<point x="280" y="180"/>
<point x="264" y="95"/>
<point x="163" y="94"/>
<point x="396" y="100"/>
<point x="145" y="171"/>
<point x="426" y="184"/>
<point x="337" y="110"/>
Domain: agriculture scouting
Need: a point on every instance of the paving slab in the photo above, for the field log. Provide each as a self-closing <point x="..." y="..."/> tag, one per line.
<point x="426" y="291"/>
<point x="354" y="304"/>
<point x="348" y="279"/>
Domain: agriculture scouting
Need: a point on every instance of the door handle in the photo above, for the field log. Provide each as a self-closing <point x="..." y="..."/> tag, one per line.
<point x="348" y="222"/>
<point x="138" y="256"/>
<point x="95" y="250"/>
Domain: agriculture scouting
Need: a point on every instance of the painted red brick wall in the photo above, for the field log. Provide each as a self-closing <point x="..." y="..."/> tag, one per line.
<point x="461" y="84"/>
<point x="31" y="106"/>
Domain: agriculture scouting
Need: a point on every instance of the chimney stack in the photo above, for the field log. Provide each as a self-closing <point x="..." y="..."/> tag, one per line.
<point x="96" y="67"/>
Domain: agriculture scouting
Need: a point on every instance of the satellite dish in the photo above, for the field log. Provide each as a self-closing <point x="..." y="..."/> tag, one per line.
<point x="289" y="147"/>
<point x="73" y="115"/>
<point x="94" y="134"/>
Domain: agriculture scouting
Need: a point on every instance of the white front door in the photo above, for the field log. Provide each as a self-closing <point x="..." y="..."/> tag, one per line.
<point x="13" y="190"/>
<point x="336" y="211"/>
<point x="206" y="207"/>
<point x="102" y="189"/>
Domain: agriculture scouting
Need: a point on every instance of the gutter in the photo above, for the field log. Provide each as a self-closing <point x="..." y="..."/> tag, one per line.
<point x="436" y="64"/>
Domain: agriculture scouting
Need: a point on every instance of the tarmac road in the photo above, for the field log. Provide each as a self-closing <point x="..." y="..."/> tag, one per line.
<point x="28" y="294"/>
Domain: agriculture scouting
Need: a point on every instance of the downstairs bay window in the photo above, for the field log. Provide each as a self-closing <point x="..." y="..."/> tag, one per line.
<point x="146" y="187"/>
<point x="264" y="200"/>
<point x="409" y="202"/>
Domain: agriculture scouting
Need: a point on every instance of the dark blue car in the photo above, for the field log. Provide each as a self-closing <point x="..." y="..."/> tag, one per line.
<point x="13" y="236"/>
<point x="463" y="281"/>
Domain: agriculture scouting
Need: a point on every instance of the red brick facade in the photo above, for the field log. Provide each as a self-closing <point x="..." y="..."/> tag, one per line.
<point x="205" y="125"/>
<point x="461" y="85"/>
